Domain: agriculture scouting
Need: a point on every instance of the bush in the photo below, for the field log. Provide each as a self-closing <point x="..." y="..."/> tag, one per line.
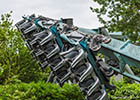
<point x="125" y="91"/>
<point x="40" y="91"/>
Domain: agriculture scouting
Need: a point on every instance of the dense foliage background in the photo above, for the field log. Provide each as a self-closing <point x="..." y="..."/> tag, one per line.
<point x="15" y="60"/>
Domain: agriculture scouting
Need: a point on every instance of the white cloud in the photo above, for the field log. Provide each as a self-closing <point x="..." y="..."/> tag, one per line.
<point x="77" y="9"/>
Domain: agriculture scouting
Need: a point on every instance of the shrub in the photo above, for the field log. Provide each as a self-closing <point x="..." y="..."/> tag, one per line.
<point x="40" y="91"/>
<point x="125" y="91"/>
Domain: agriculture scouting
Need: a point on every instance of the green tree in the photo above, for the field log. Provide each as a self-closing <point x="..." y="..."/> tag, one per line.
<point x="15" y="59"/>
<point x="123" y="16"/>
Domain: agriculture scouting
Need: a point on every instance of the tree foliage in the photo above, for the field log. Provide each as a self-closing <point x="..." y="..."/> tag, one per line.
<point x="123" y="16"/>
<point x="40" y="91"/>
<point x="15" y="59"/>
<point x="124" y="90"/>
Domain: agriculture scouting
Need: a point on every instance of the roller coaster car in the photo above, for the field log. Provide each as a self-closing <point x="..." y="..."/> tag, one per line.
<point x="70" y="52"/>
<point x="62" y="69"/>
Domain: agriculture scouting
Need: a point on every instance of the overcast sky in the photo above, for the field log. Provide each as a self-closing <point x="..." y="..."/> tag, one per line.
<point x="77" y="9"/>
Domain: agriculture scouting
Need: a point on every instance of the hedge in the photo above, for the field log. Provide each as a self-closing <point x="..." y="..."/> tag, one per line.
<point x="44" y="91"/>
<point x="40" y="91"/>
